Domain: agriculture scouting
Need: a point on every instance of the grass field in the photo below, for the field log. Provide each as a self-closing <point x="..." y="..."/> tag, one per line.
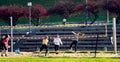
<point x="64" y="59"/>
<point x="61" y="57"/>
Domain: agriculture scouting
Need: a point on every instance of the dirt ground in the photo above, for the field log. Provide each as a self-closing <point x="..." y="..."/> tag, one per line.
<point x="31" y="54"/>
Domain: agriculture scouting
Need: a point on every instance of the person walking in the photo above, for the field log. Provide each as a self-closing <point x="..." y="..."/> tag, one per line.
<point x="44" y="44"/>
<point x="57" y="42"/>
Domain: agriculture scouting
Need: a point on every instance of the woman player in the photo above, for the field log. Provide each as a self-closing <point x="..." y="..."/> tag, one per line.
<point x="75" y="40"/>
<point x="4" y="44"/>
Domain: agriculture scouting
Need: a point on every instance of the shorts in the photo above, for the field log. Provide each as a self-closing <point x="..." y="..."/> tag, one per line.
<point x="4" y="47"/>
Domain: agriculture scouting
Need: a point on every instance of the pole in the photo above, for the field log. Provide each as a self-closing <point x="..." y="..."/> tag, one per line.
<point x="86" y="1"/>
<point x="0" y="33"/>
<point x="30" y="7"/>
<point x="107" y="16"/>
<point x="11" y="33"/>
<point x="106" y="26"/>
<point x="96" y="45"/>
<point x="29" y="19"/>
<point x="86" y="12"/>
<point x="107" y="13"/>
<point x="114" y="35"/>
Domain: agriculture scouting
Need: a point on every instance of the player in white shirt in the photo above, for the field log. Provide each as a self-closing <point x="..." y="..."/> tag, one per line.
<point x="57" y="42"/>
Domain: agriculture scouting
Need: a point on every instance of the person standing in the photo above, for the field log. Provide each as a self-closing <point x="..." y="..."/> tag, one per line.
<point x="4" y="44"/>
<point x="111" y="39"/>
<point x="75" y="40"/>
<point x="57" y="42"/>
<point x="44" y="44"/>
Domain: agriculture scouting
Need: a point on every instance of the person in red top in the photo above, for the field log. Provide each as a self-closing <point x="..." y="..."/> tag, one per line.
<point x="4" y="44"/>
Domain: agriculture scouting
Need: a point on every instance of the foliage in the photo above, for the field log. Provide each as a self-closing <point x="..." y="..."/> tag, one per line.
<point x="62" y="8"/>
<point x="17" y="12"/>
<point x="37" y="11"/>
<point x="113" y="6"/>
<point x="7" y="11"/>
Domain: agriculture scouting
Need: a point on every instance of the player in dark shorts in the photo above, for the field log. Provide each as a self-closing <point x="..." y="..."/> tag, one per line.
<point x="75" y="40"/>
<point x="4" y="44"/>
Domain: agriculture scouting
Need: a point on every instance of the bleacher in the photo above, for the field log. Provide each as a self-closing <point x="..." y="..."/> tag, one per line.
<point x="32" y="41"/>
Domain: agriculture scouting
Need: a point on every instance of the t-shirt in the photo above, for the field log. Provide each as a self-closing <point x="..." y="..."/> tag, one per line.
<point x="57" y="41"/>
<point x="76" y="38"/>
<point x="45" y="41"/>
<point x="4" y="41"/>
<point x="17" y="51"/>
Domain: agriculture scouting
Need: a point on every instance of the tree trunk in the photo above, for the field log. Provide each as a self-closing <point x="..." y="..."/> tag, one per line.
<point x="95" y="18"/>
<point x="36" y="21"/>
<point x="15" y="21"/>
